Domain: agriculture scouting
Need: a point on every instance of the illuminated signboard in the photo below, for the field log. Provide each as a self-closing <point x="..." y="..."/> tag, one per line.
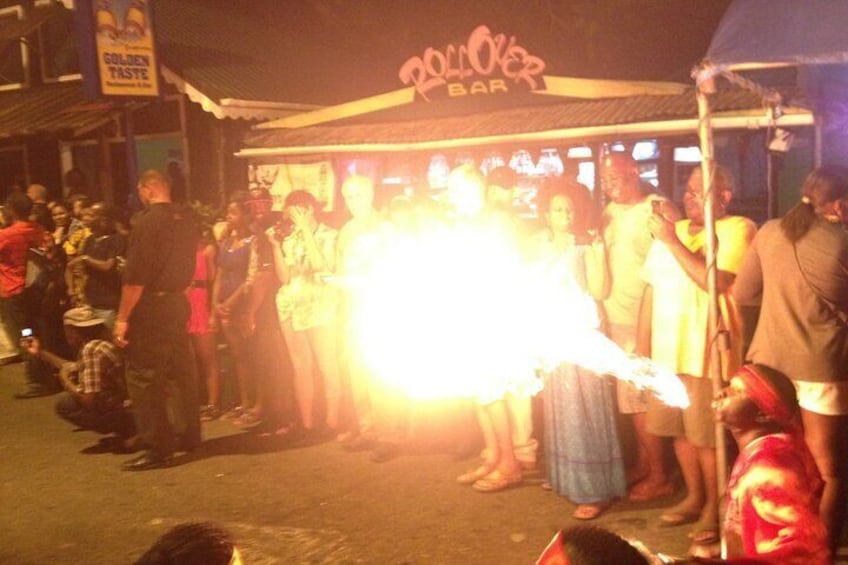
<point x="121" y="56"/>
<point x="485" y="64"/>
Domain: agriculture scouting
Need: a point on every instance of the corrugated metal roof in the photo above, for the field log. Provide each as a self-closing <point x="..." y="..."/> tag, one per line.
<point x="520" y="120"/>
<point x="58" y="108"/>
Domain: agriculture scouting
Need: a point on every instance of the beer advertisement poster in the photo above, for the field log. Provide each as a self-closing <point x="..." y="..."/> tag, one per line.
<point x="124" y="47"/>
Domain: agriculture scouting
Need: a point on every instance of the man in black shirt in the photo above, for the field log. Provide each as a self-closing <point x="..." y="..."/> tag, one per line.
<point x="151" y="324"/>
<point x="100" y="258"/>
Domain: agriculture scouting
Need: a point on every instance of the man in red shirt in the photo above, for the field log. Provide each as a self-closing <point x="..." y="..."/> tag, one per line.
<point x="15" y="242"/>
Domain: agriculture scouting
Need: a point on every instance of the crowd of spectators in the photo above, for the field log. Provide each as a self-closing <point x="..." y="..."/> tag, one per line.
<point x="147" y="306"/>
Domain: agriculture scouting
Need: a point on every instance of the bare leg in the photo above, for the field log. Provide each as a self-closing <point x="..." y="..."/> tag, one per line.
<point x="490" y="440"/>
<point x="827" y="439"/>
<point x="322" y="340"/>
<point x="521" y="420"/>
<point x="491" y="451"/>
<point x="690" y="467"/>
<point x="651" y="447"/>
<point x="359" y="385"/>
<point x="505" y="454"/>
<point x="238" y="350"/>
<point x="508" y="470"/>
<point x="207" y="361"/>
<point x="650" y="452"/>
<point x="304" y="386"/>
<point x="709" y="513"/>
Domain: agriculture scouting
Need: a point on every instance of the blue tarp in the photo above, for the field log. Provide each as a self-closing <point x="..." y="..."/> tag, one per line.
<point x="759" y="33"/>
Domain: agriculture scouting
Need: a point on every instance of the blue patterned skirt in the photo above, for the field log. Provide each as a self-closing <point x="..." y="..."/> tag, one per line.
<point x="581" y="438"/>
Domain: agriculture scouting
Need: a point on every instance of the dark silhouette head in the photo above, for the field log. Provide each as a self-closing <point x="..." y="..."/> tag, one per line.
<point x="201" y="543"/>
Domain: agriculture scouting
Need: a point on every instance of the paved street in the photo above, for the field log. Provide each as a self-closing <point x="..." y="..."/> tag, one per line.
<point x="284" y="504"/>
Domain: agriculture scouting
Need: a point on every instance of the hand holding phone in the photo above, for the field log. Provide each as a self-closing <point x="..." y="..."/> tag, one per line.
<point x="29" y="341"/>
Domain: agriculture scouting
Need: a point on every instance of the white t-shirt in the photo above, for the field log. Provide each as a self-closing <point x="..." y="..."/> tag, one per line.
<point x="627" y="241"/>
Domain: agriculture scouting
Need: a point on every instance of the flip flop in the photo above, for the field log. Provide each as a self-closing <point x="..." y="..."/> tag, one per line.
<point x="589" y="511"/>
<point x="704" y="533"/>
<point x="497" y="480"/>
<point x="675" y="518"/>
<point x="645" y="491"/>
<point x="473" y="475"/>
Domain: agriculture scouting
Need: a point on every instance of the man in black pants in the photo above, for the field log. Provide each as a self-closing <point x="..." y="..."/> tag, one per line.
<point x="151" y="324"/>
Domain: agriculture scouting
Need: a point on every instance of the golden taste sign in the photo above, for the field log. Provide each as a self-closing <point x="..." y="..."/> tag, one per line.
<point x="125" y="50"/>
<point x="485" y="64"/>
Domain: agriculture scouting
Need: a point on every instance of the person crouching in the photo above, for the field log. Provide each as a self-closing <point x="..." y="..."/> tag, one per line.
<point x="94" y="385"/>
<point x="774" y="490"/>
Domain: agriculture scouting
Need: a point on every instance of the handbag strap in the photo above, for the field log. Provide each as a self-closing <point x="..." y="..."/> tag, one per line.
<point x="840" y="316"/>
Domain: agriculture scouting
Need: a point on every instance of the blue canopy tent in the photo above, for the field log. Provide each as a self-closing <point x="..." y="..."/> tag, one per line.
<point x="758" y="34"/>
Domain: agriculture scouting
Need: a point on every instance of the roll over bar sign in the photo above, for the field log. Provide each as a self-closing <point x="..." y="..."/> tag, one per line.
<point x="485" y="64"/>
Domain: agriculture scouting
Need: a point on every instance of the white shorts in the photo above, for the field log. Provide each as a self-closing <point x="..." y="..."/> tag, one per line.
<point x="827" y="399"/>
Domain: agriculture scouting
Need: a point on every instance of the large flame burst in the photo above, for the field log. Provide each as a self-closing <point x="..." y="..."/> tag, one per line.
<point x="461" y="311"/>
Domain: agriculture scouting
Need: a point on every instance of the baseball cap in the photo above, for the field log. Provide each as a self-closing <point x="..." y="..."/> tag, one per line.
<point x="82" y="317"/>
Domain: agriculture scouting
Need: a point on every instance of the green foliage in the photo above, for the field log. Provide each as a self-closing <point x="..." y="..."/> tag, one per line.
<point x="206" y="214"/>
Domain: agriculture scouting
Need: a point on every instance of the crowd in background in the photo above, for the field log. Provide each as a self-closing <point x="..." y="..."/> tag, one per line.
<point x="279" y="293"/>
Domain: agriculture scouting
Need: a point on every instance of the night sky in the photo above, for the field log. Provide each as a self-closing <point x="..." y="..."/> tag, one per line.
<point x="333" y="51"/>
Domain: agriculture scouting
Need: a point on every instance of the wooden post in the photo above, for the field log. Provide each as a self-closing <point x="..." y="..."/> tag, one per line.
<point x="713" y="341"/>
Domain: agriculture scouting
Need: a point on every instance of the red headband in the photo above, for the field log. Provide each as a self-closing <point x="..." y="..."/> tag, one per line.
<point x="554" y="553"/>
<point x="766" y="398"/>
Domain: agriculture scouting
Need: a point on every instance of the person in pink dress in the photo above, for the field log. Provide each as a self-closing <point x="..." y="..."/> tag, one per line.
<point x="201" y="332"/>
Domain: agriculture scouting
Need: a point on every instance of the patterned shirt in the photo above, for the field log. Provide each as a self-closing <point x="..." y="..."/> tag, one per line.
<point x="307" y="300"/>
<point x="772" y="502"/>
<point x="98" y="371"/>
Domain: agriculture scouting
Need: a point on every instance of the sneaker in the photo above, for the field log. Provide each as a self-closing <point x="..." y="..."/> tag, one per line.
<point x="209" y="412"/>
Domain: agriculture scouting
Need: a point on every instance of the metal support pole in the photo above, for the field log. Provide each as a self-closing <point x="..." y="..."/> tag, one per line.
<point x="713" y="342"/>
<point x="131" y="157"/>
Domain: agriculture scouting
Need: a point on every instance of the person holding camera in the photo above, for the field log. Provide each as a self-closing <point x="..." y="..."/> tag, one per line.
<point x="673" y="330"/>
<point x="94" y="388"/>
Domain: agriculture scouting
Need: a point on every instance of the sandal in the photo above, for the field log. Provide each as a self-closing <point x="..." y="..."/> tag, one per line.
<point x="704" y="532"/>
<point x="589" y="511"/>
<point x="473" y="475"/>
<point x="346" y="437"/>
<point x="497" y="480"/>
<point x="209" y="412"/>
<point x="248" y="419"/>
<point x="234" y="413"/>
<point x="673" y="518"/>
<point x="644" y="491"/>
